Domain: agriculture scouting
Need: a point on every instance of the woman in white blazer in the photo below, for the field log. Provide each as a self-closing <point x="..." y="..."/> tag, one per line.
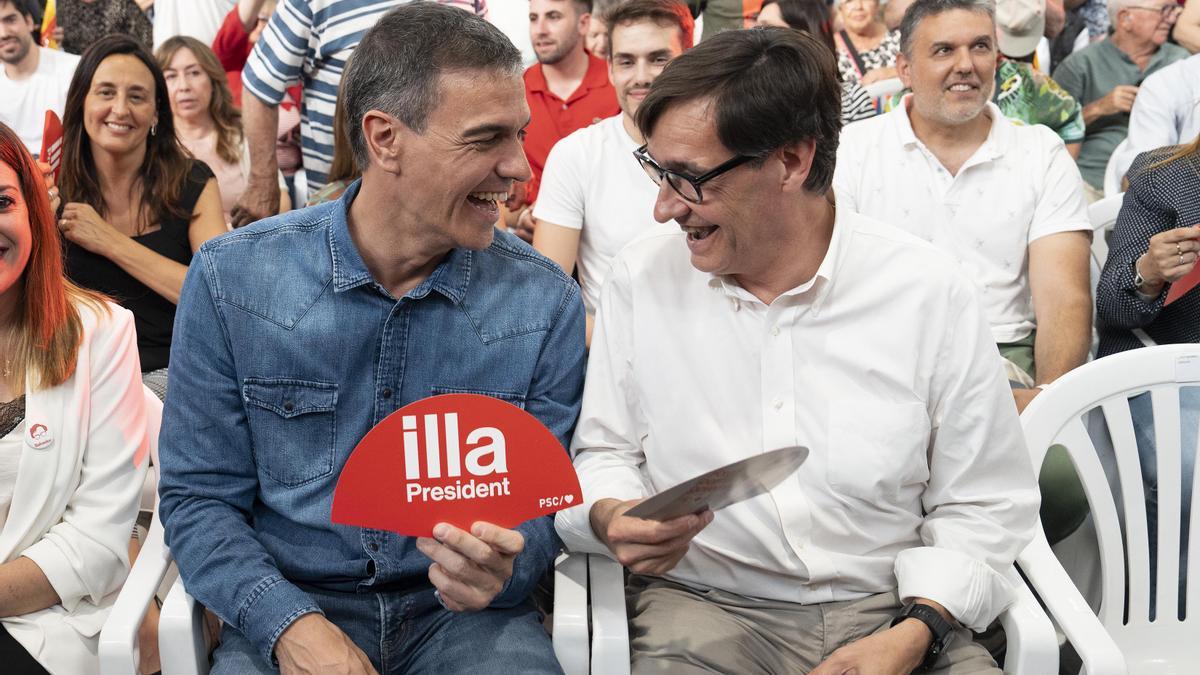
<point x="73" y="440"/>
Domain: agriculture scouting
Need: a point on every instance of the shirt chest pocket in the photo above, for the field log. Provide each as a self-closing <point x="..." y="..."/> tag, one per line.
<point x="876" y="448"/>
<point x="293" y="424"/>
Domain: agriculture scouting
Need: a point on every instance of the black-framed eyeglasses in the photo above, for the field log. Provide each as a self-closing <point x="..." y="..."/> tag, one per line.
<point x="1166" y="12"/>
<point x="684" y="185"/>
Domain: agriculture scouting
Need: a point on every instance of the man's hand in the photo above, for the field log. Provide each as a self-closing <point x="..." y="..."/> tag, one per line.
<point x="259" y="200"/>
<point x="470" y="568"/>
<point x="1023" y="397"/>
<point x="896" y="651"/>
<point x="1119" y="100"/>
<point x="645" y="546"/>
<point x="314" y="646"/>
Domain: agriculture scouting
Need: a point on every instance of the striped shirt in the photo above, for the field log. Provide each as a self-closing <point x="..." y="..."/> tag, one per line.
<point x="309" y="41"/>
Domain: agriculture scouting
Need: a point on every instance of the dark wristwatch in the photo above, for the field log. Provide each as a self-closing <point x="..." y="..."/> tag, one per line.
<point x="941" y="629"/>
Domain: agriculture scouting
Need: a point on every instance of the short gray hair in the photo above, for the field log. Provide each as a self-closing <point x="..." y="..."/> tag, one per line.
<point x="1114" y="8"/>
<point x="923" y="9"/>
<point x="396" y="67"/>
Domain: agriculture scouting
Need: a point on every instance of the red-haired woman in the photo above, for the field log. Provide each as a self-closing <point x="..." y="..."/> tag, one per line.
<point x="73" y="439"/>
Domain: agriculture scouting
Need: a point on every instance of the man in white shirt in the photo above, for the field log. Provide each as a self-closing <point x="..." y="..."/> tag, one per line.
<point x="594" y="197"/>
<point x="200" y="19"/>
<point x="33" y="80"/>
<point x="771" y="320"/>
<point x="1166" y="111"/>
<point x="1006" y="201"/>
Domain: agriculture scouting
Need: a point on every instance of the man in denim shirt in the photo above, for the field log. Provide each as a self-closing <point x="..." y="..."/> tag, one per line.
<point x="296" y="335"/>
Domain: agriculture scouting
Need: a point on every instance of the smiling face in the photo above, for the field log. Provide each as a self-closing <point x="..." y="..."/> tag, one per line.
<point x="16" y="34"/>
<point x="16" y="239"/>
<point x="556" y="28"/>
<point x="188" y="86"/>
<point x="952" y="66"/>
<point x="470" y="154"/>
<point x="729" y="231"/>
<point x="119" y="108"/>
<point x="640" y="51"/>
<point x="1145" y="22"/>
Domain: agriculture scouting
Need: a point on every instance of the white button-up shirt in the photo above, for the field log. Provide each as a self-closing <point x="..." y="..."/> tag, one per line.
<point x="1165" y="112"/>
<point x="882" y="365"/>
<point x="1018" y="186"/>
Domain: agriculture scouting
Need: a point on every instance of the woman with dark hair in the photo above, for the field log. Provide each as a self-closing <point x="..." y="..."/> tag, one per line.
<point x="812" y="17"/>
<point x="137" y="206"/>
<point x="207" y="122"/>
<point x="73" y="439"/>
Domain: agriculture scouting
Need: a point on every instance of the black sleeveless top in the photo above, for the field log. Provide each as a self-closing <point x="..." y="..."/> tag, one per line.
<point x="153" y="315"/>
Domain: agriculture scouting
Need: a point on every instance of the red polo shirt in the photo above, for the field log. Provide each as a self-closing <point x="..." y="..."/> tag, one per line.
<point x="554" y="118"/>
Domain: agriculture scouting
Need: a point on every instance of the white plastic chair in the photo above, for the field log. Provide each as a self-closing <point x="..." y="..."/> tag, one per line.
<point x="1032" y="644"/>
<point x="1112" y="176"/>
<point x="1057" y="416"/>
<point x="884" y="88"/>
<point x="1103" y="215"/>
<point x="118" y="639"/>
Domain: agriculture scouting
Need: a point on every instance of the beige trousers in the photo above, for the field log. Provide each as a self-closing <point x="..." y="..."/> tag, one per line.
<point x="680" y="630"/>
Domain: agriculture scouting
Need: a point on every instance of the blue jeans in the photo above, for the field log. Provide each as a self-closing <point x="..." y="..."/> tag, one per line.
<point x="409" y="632"/>
<point x="1141" y="410"/>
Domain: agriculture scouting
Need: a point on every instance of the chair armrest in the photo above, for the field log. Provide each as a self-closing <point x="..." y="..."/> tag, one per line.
<point x="118" y="649"/>
<point x="610" y="626"/>
<point x="570" y="618"/>
<point x="181" y="641"/>
<point x="1032" y="642"/>
<point x="1083" y="629"/>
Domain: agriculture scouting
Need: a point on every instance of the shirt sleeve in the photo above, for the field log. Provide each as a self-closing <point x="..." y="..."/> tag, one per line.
<point x="1069" y="77"/>
<point x="1061" y="206"/>
<point x="209" y="481"/>
<point x="1152" y="123"/>
<point x="849" y="166"/>
<point x="232" y="43"/>
<point x="560" y="199"/>
<point x="280" y="53"/>
<point x="981" y="501"/>
<point x="1118" y="304"/>
<point x="85" y="555"/>
<point x="608" y="441"/>
<point x="554" y="399"/>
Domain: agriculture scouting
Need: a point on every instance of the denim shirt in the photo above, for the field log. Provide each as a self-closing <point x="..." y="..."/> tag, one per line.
<point x="286" y="352"/>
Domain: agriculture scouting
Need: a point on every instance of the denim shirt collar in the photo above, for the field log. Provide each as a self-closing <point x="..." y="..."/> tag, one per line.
<point x="451" y="277"/>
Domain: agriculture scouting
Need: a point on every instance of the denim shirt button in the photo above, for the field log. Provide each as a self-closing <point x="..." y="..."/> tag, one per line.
<point x="373" y="546"/>
<point x="289" y="406"/>
<point x="387" y="393"/>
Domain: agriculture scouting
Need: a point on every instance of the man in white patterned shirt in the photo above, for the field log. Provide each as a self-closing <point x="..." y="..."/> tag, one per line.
<point x="773" y="320"/>
<point x="309" y="41"/>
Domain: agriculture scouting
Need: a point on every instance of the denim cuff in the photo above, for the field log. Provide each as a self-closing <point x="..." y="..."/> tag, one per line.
<point x="273" y="605"/>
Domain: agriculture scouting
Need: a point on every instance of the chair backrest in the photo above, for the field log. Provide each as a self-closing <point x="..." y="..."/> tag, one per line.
<point x="882" y="88"/>
<point x="154" y="410"/>
<point x="1058" y="417"/>
<point x="1112" y="177"/>
<point x="1103" y="215"/>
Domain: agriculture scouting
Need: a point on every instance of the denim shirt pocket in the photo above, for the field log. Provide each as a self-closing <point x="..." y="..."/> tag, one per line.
<point x="293" y="424"/>
<point x="515" y="398"/>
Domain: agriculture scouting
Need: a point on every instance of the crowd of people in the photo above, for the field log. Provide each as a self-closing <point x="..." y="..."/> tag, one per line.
<point x="688" y="233"/>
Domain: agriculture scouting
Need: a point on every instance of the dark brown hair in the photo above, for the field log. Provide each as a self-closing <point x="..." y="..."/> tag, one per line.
<point x="48" y="329"/>
<point x="770" y="87"/>
<point x="225" y="115"/>
<point x="165" y="167"/>
<point x="658" y="11"/>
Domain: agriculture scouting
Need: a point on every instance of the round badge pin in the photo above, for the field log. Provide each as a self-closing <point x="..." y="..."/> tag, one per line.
<point x="38" y="437"/>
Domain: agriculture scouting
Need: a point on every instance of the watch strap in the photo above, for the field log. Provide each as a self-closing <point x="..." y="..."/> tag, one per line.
<point x="940" y="628"/>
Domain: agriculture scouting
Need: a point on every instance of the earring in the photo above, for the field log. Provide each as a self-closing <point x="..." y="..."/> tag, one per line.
<point x="153" y="129"/>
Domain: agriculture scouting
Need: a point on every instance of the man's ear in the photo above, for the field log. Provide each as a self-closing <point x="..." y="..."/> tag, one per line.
<point x="904" y="69"/>
<point x="797" y="160"/>
<point x="585" y="20"/>
<point x="384" y="136"/>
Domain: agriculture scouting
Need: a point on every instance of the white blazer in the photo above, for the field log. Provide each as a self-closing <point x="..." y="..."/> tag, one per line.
<point x="76" y="496"/>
